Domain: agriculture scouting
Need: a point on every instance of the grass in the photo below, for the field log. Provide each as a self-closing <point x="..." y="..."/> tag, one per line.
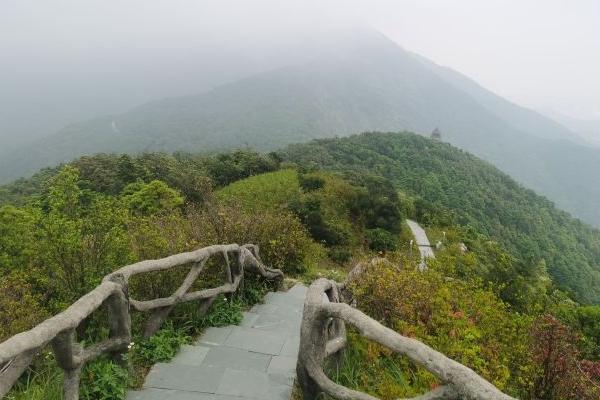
<point x="42" y="383"/>
<point x="268" y="191"/>
<point x="368" y="367"/>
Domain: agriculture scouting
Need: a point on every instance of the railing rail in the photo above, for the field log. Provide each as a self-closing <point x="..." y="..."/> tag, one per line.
<point x="17" y="353"/>
<point x="323" y="334"/>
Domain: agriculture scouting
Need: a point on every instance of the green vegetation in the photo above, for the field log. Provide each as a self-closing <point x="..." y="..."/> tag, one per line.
<point x="345" y="216"/>
<point x="509" y="268"/>
<point x="530" y="356"/>
<point x="453" y="187"/>
<point x="59" y="241"/>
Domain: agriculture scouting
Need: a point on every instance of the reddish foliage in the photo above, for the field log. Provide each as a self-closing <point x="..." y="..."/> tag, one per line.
<point x="561" y="374"/>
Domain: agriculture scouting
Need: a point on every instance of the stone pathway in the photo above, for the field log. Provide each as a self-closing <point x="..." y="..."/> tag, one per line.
<point x="422" y="242"/>
<point x="255" y="360"/>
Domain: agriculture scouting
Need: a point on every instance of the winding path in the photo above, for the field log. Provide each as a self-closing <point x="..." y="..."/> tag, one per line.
<point x="255" y="360"/>
<point x="422" y="242"/>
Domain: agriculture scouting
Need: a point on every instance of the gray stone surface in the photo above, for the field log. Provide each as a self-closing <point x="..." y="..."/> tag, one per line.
<point x="183" y="377"/>
<point x="249" y="319"/>
<point x="255" y="360"/>
<point x="252" y="384"/>
<point x="164" y="394"/>
<point x="191" y="355"/>
<point x="223" y="356"/>
<point x="422" y="242"/>
<point x="255" y="340"/>
<point x="291" y="346"/>
<point x="215" y="336"/>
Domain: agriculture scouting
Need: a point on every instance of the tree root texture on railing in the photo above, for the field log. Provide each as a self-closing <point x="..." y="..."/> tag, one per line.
<point x="323" y="334"/>
<point x="59" y="331"/>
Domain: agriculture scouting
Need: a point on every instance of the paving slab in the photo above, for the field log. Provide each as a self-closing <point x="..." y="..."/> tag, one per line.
<point x="164" y="394"/>
<point x="298" y="291"/>
<point x="282" y="370"/>
<point x="182" y="377"/>
<point x="282" y="365"/>
<point x="256" y="360"/>
<point x="282" y="299"/>
<point x="215" y="336"/>
<point x="255" y="340"/>
<point x="252" y="384"/>
<point x="273" y="322"/>
<point x="280" y="392"/>
<point x="249" y="319"/>
<point x="291" y="347"/>
<point x="224" y="356"/>
<point x="264" y="309"/>
<point x="191" y="355"/>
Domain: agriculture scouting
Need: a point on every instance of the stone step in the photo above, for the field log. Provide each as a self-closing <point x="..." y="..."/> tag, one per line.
<point x="298" y="291"/>
<point x="284" y="299"/>
<point x="202" y="378"/>
<point x="255" y="360"/>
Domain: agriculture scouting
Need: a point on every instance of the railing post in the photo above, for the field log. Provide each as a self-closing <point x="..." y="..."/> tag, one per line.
<point x="313" y="341"/>
<point x="11" y="371"/>
<point x="119" y="317"/>
<point x="66" y="349"/>
<point x="313" y="345"/>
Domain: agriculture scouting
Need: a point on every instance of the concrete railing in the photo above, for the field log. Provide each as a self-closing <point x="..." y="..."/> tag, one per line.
<point x="17" y="353"/>
<point x="323" y="334"/>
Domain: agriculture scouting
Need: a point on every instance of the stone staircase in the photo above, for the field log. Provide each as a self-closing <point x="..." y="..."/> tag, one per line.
<point x="255" y="360"/>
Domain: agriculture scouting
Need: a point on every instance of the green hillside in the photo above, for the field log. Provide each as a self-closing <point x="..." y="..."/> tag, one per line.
<point x="330" y="205"/>
<point x="364" y="82"/>
<point x="473" y="194"/>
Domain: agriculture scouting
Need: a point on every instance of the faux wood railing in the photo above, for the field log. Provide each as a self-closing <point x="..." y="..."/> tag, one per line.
<point x="323" y="334"/>
<point x="17" y="353"/>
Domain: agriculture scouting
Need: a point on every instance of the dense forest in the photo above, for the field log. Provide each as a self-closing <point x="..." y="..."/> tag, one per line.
<point x="508" y="294"/>
<point x="462" y="189"/>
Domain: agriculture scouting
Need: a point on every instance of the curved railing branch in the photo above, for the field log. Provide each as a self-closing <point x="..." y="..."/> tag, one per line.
<point x="318" y="340"/>
<point x="17" y="353"/>
<point x="43" y="333"/>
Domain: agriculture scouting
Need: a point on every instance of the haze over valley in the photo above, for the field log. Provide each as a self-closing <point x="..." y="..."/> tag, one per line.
<point x="354" y="80"/>
<point x="209" y="199"/>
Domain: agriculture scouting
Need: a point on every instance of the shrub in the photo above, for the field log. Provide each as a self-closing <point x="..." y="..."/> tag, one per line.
<point x="20" y="308"/>
<point x="224" y="312"/>
<point x="104" y="380"/>
<point x="376" y="203"/>
<point x="151" y="198"/>
<point x="560" y="374"/>
<point x="308" y="183"/>
<point x="311" y="214"/>
<point x="162" y="346"/>
<point x="381" y="240"/>
<point x="230" y="167"/>
<point x="466" y="323"/>
<point x="284" y="243"/>
<point x="339" y="255"/>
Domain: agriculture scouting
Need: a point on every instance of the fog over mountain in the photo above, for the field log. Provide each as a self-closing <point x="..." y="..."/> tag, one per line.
<point x="203" y="76"/>
<point x="65" y="61"/>
<point x="587" y="129"/>
<point x="358" y="80"/>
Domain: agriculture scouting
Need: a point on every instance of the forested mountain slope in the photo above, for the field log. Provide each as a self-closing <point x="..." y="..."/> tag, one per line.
<point x="476" y="195"/>
<point x="362" y="82"/>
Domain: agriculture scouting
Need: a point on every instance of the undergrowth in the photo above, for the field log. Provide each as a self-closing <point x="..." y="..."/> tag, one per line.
<point x="369" y="367"/>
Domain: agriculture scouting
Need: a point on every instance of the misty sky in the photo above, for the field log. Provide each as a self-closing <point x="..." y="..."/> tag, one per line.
<point x="62" y="61"/>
